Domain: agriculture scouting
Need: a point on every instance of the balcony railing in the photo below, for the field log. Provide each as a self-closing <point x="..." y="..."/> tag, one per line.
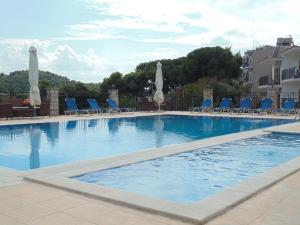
<point x="288" y="76"/>
<point x="267" y="80"/>
<point x="246" y="78"/>
<point x="246" y="64"/>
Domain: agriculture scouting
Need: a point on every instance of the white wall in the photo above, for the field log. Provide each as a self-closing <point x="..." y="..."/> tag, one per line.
<point x="290" y="87"/>
<point x="289" y="61"/>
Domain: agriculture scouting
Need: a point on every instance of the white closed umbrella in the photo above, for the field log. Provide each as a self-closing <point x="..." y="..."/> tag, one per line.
<point x="33" y="75"/>
<point x="159" y="95"/>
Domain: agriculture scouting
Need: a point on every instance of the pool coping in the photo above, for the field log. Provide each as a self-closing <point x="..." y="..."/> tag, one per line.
<point x="199" y="212"/>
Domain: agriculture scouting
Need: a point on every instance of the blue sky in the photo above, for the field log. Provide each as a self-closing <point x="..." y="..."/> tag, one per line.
<point x="87" y="40"/>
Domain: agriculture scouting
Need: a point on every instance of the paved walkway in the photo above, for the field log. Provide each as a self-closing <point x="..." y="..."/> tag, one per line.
<point x="279" y="205"/>
<point x="33" y="204"/>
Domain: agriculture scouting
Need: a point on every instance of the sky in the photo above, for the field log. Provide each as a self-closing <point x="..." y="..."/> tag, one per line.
<point x="87" y="40"/>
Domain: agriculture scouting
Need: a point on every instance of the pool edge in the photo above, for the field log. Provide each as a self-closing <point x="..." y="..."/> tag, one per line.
<point x="199" y="212"/>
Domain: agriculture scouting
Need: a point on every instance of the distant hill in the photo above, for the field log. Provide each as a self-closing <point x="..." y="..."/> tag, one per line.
<point x="17" y="82"/>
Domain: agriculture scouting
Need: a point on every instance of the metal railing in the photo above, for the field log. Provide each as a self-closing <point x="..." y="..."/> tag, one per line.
<point x="267" y="80"/>
<point x="288" y="76"/>
<point x="263" y="81"/>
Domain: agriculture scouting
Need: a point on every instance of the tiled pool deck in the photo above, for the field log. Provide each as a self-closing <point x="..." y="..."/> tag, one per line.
<point x="24" y="202"/>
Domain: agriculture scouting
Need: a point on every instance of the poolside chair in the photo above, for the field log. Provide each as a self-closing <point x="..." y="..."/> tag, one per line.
<point x="205" y="106"/>
<point x="94" y="107"/>
<point x="72" y="107"/>
<point x="288" y="107"/>
<point x="224" y="105"/>
<point x="114" y="108"/>
<point x="245" y="106"/>
<point x="265" y="106"/>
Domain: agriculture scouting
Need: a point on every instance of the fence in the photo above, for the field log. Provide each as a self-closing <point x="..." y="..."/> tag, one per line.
<point x="17" y="99"/>
<point x="175" y="101"/>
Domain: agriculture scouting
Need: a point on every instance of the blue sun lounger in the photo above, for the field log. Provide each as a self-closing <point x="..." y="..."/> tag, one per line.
<point x="72" y="107"/>
<point x="94" y="107"/>
<point x="114" y="108"/>
<point x="224" y="105"/>
<point x="205" y="106"/>
<point x="245" y="106"/>
<point x="265" y="106"/>
<point x="287" y="107"/>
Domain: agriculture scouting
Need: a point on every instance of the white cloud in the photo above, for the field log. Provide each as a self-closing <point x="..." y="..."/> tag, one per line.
<point x="262" y="21"/>
<point x="153" y="30"/>
<point x="56" y="58"/>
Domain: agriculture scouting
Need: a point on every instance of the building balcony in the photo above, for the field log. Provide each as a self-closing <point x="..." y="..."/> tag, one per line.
<point x="246" y="66"/>
<point x="290" y="77"/>
<point x="267" y="82"/>
<point x="247" y="79"/>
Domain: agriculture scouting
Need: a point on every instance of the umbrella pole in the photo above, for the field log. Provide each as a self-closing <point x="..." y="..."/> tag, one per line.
<point x="158" y="107"/>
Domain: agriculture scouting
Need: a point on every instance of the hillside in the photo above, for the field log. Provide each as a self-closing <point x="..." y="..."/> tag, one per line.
<point x="17" y="82"/>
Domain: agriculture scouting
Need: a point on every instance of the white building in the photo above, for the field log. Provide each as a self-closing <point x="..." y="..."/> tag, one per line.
<point x="252" y="69"/>
<point x="273" y="70"/>
<point x="289" y="71"/>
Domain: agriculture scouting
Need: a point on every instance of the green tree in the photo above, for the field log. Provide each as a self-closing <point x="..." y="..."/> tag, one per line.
<point x="44" y="85"/>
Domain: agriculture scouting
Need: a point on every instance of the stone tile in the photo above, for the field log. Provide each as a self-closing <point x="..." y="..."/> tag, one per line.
<point x="286" y="210"/>
<point x="32" y="212"/>
<point x="23" y="189"/>
<point x="162" y="219"/>
<point x="150" y="222"/>
<point x="275" y="220"/>
<point x="5" y="220"/>
<point x="64" y="202"/>
<point x="94" y="213"/>
<point x="42" y="195"/>
<point x="12" y="203"/>
<point x="56" y="219"/>
<point x="293" y="181"/>
<point x="236" y="217"/>
<point x="86" y="223"/>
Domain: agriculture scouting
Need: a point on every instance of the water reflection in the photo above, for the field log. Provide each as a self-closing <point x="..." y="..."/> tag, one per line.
<point x="113" y="125"/>
<point x="159" y="128"/>
<point x="71" y="125"/>
<point x="51" y="130"/>
<point x="93" y="123"/>
<point x="35" y="139"/>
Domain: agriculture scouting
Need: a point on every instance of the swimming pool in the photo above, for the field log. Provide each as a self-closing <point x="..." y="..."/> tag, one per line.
<point x="39" y="145"/>
<point x="192" y="176"/>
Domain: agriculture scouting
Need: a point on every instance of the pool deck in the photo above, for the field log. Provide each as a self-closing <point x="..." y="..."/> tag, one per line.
<point x="24" y="202"/>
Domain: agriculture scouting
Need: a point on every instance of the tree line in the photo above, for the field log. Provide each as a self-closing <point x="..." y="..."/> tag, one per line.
<point x="210" y="66"/>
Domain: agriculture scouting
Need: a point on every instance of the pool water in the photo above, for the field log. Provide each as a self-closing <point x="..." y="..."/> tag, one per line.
<point x="38" y="145"/>
<point x="192" y="176"/>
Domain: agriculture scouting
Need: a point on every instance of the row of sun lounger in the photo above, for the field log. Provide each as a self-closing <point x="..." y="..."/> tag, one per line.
<point x="94" y="107"/>
<point x="288" y="106"/>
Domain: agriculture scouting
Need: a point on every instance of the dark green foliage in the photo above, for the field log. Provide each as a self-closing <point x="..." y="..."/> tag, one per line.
<point x="213" y="62"/>
<point x="213" y="66"/>
<point x="17" y="82"/>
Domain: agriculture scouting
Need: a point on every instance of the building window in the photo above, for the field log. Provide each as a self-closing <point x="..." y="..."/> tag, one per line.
<point x="277" y="74"/>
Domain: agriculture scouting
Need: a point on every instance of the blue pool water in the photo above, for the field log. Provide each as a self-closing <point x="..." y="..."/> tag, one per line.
<point x="38" y="145"/>
<point x="195" y="175"/>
